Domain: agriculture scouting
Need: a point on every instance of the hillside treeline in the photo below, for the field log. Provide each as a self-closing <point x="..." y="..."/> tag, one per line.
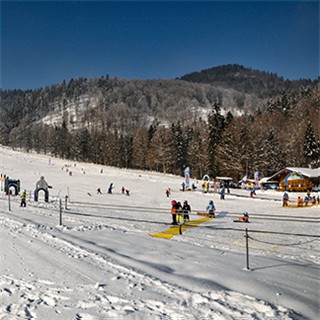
<point x="283" y="132"/>
<point x="235" y="76"/>
<point x="225" y="120"/>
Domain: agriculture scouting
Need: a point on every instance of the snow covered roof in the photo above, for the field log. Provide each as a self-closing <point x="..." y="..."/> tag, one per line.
<point x="307" y="172"/>
<point x="224" y="178"/>
<point x="267" y="180"/>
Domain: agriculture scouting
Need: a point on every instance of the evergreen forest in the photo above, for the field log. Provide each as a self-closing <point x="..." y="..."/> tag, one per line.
<point x="224" y="121"/>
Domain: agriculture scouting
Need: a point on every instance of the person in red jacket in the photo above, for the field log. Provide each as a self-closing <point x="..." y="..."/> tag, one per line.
<point x="244" y="218"/>
<point x="174" y="211"/>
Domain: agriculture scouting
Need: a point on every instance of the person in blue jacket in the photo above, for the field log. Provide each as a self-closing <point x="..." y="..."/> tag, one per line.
<point x="285" y="199"/>
<point x="222" y="193"/>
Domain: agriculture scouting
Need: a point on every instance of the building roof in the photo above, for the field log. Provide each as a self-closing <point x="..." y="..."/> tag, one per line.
<point x="306" y="172"/>
<point x="224" y="178"/>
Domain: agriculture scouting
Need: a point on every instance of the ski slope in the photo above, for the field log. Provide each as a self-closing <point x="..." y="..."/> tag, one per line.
<point x="102" y="263"/>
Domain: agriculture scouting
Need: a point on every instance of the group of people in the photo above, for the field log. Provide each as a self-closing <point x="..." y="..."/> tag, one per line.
<point x="182" y="212"/>
<point x="111" y="187"/>
<point x="308" y="199"/>
<point x="301" y="201"/>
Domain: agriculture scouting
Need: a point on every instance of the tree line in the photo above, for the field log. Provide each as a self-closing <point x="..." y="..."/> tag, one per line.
<point x="284" y="133"/>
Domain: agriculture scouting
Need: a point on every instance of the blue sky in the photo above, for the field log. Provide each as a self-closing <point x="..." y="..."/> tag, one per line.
<point x="44" y="43"/>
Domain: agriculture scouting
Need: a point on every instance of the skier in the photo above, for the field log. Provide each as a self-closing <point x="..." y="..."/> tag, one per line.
<point x="244" y="218"/>
<point x="300" y="202"/>
<point x="179" y="212"/>
<point x="186" y="209"/>
<point x="211" y="209"/>
<point x="110" y="188"/>
<point x="174" y="209"/>
<point x="183" y="186"/>
<point x="99" y="191"/>
<point x="285" y="199"/>
<point x="168" y="192"/>
<point x="222" y="193"/>
<point x="23" y="199"/>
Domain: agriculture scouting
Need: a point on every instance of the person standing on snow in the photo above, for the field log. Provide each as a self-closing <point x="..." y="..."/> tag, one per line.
<point x="174" y="210"/>
<point x="110" y="188"/>
<point x="211" y="209"/>
<point x="285" y="199"/>
<point x="186" y="209"/>
<point x="23" y="202"/>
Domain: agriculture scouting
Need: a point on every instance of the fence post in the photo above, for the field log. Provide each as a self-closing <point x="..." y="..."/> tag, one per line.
<point x="247" y="248"/>
<point x="60" y="212"/>
<point x="65" y="202"/>
<point x="9" y="202"/>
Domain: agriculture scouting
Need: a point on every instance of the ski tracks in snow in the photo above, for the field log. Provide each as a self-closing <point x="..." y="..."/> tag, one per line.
<point x="125" y="291"/>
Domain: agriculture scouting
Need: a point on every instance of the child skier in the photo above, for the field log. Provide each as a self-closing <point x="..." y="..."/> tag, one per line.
<point x="23" y="199"/>
<point x="222" y="193"/>
<point x="300" y="202"/>
<point x="244" y="218"/>
<point x="174" y="209"/>
<point x="285" y="199"/>
<point x="211" y="209"/>
<point x="110" y="188"/>
<point x="186" y="209"/>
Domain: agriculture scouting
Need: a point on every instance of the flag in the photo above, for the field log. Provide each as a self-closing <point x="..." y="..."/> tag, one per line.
<point x="256" y="179"/>
<point x="244" y="181"/>
<point x="187" y="176"/>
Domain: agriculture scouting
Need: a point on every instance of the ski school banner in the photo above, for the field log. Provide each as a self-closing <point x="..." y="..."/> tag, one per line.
<point x="187" y="176"/>
<point x="256" y="179"/>
<point x="244" y="181"/>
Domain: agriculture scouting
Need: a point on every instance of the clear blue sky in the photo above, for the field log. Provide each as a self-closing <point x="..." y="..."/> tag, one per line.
<point x="44" y="43"/>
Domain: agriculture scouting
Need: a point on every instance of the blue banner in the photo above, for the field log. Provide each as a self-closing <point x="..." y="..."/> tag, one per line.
<point x="244" y="181"/>
<point x="187" y="176"/>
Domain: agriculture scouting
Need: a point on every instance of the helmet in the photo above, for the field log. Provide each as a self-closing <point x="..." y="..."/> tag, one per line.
<point x="173" y="202"/>
<point x="210" y="201"/>
<point x="246" y="214"/>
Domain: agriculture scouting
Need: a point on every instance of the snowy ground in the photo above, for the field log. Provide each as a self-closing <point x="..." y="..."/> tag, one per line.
<point x="103" y="264"/>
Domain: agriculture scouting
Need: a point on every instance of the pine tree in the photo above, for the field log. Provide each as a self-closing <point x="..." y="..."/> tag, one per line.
<point x="140" y="148"/>
<point x="197" y="150"/>
<point x="180" y="147"/>
<point x="311" y="147"/>
<point x="231" y="153"/>
<point x="216" y="125"/>
<point x="60" y="141"/>
<point x="161" y="153"/>
<point x="80" y="145"/>
<point x="270" y="155"/>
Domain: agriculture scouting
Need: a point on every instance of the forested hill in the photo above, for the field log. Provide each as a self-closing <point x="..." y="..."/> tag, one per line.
<point x="246" y="80"/>
<point x="240" y="121"/>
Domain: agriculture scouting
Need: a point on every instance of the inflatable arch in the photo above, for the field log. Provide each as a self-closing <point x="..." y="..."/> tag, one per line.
<point x="206" y="178"/>
<point x="206" y="183"/>
<point x="42" y="185"/>
<point x="11" y="183"/>
<point x="46" y="194"/>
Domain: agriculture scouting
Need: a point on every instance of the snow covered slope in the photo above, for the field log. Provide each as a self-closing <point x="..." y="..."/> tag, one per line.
<point x="103" y="264"/>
